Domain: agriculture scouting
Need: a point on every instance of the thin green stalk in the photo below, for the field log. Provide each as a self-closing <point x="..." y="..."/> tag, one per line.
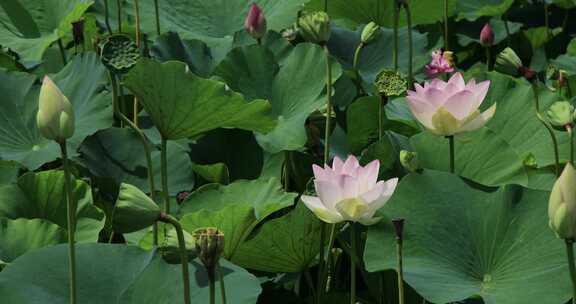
<point x="383" y="100"/>
<point x="138" y="43"/>
<point x="107" y="17"/>
<point x="212" y="283"/>
<point x="326" y="6"/>
<point x="571" y="134"/>
<point x="164" y="173"/>
<point x="62" y="52"/>
<point x="488" y="58"/>
<point x="547" y="126"/>
<point x="119" y="12"/>
<point x="157" y="14"/>
<point x="410" y="44"/>
<point x="400" y="271"/>
<point x="328" y="271"/>
<point x="222" y="286"/>
<point x="451" y="144"/>
<point x="286" y="173"/>
<point x="395" y="50"/>
<point x="571" y="266"/>
<point x="446" y="46"/>
<point x="328" y="106"/>
<point x="353" y="249"/>
<point x="71" y="213"/>
<point x="166" y="218"/>
<point x="321" y="263"/>
<point x="357" y="52"/>
<point x="111" y="237"/>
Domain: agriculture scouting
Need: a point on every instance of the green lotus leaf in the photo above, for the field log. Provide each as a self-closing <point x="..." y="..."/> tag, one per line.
<point x="182" y="104"/>
<point x="21" y="235"/>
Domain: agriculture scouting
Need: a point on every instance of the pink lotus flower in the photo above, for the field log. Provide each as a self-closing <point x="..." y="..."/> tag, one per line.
<point x="349" y="192"/>
<point x="441" y="63"/>
<point x="449" y="108"/>
<point x="487" y="35"/>
<point x="255" y="23"/>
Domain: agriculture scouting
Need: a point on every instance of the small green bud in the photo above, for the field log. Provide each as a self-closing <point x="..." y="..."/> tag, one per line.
<point x="370" y="32"/>
<point x="55" y="118"/>
<point x="390" y="83"/>
<point x="134" y="210"/>
<point x="508" y="62"/>
<point x="409" y="160"/>
<point x="171" y="251"/>
<point x="560" y="114"/>
<point x="315" y="27"/>
<point x="209" y="244"/>
<point x="562" y="204"/>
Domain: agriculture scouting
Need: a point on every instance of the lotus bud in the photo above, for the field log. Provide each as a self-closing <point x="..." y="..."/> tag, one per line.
<point x="55" y="117"/>
<point x="78" y="31"/>
<point x="370" y="32"/>
<point x="409" y="161"/>
<point x="508" y="62"/>
<point x="134" y="210"/>
<point x="487" y="35"/>
<point x="255" y="23"/>
<point x="562" y="204"/>
<point x="209" y="244"/>
<point x="390" y="83"/>
<point x="315" y="27"/>
<point x="171" y="250"/>
<point x="561" y="114"/>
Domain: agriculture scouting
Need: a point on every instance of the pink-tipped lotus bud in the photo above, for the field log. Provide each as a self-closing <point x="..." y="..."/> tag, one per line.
<point x="487" y="35"/>
<point x="255" y="23"/>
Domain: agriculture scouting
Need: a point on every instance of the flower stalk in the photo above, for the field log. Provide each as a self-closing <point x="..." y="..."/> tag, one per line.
<point x="222" y="285"/>
<point x="446" y="46"/>
<point x="107" y="17"/>
<point x="399" y="230"/>
<point x="166" y="218"/>
<point x="546" y="125"/>
<point x="571" y="265"/>
<point x="157" y="15"/>
<point x="570" y="130"/>
<point x="451" y="145"/>
<point x="410" y="44"/>
<point x="396" y="21"/>
<point x="164" y="173"/>
<point x="71" y="212"/>
<point x="119" y="12"/>
<point x="353" y="251"/>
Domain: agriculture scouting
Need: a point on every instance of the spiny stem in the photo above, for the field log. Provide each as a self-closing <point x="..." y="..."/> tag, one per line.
<point x="71" y="212"/>
<point x="328" y="106"/>
<point x="451" y="144"/>
<point x="410" y="46"/>
<point x="157" y="14"/>
<point x="166" y="218"/>
<point x="164" y="173"/>
<point x="353" y="251"/>
<point x="138" y="43"/>
<point x="400" y="271"/>
<point x="446" y="46"/>
<point x="107" y="17"/>
<point x="395" y="50"/>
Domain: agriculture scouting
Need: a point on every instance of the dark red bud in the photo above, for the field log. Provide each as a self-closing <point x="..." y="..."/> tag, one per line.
<point x="398" y="228"/>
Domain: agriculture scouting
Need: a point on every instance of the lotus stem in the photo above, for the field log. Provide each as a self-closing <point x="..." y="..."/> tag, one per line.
<point x="323" y="271"/>
<point x="166" y="218"/>
<point x="62" y="52"/>
<point x="119" y="12"/>
<point x="546" y="21"/>
<point x="410" y="46"/>
<point x="71" y="212"/>
<point x="547" y="126"/>
<point x="488" y="58"/>
<point x="395" y="50"/>
<point x="381" y="104"/>
<point x="353" y="251"/>
<point x="145" y="145"/>
<point x="310" y="283"/>
<point x="326" y="6"/>
<point x="571" y="266"/>
<point x="157" y="15"/>
<point x="107" y="17"/>
<point x="451" y="144"/>
<point x="222" y="286"/>
<point x="446" y="46"/>
<point x="138" y="44"/>
<point x="164" y="172"/>
<point x="571" y="134"/>
<point x="355" y="67"/>
<point x="211" y="280"/>
<point x="400" y="271"/>
<point x="286" y="173"/>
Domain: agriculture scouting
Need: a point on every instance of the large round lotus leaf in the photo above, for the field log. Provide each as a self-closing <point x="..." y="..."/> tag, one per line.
<point x="461" y="241"/>
<point x="182" y="104"/>
<point x="195" y="53"/>
<point x="235" y="209"/>
<point x="482" y="156"/>
<point x="22" y="235"/>
<point x="41" y="195"/>
<point x="295" y="90"/>
<point x="115" y="274"/>
<point x="81" y="81"/>
<point x="29" y="27"/>
<point x="118" y="154"/>
<point x="286" y="244"/>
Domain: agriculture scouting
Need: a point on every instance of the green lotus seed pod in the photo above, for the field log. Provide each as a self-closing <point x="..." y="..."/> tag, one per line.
<point x="562" y="204"/>
<point x="134" y="210"/>
<point x="560" y="114"/>
<point x="209" y="244"/>
<point x="390" y="83"/>
<point x="119" y="53"/>
<point x="409" y="161"/>
<point x="55" y="118"/>
<point x="315" y="27"/>
<point x="508" y="62"/>
<point x="370" y="32"/>
<point x="171" y="251"/>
